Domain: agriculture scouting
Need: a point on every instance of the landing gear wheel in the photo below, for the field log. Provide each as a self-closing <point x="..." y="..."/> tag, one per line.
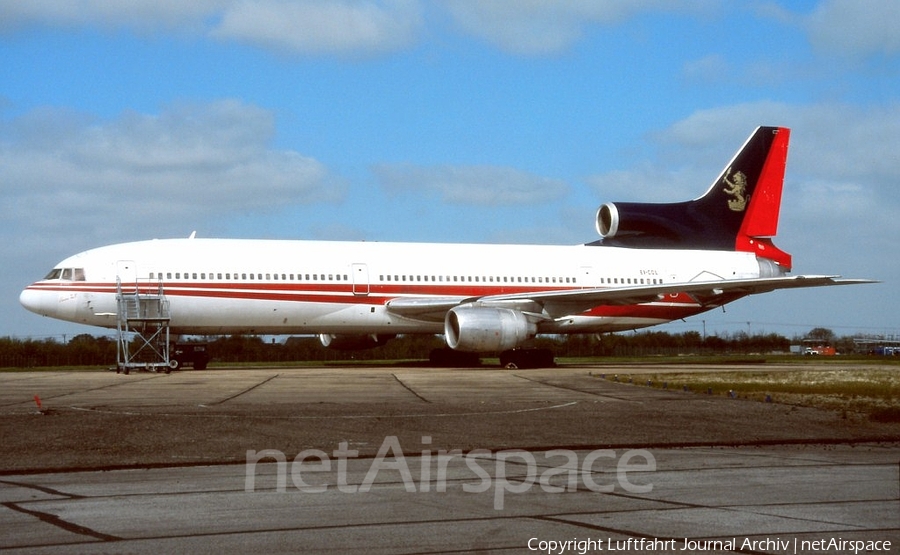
<point x="527" y="358"/>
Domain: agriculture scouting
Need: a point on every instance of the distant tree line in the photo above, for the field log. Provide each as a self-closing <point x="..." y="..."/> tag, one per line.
<point x="87" y="350"/>
<point x="81" y="350"/>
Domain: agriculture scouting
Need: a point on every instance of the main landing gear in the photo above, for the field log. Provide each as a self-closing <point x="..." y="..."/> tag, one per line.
<point x="510" y="359"/>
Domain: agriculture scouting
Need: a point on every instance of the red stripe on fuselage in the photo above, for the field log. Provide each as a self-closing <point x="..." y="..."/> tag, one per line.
<point x="672" y="307"/>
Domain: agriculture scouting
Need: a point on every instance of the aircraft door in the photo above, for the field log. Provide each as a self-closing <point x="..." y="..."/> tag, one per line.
<point x="126" y="271"/>
<point x="586" y="278"/>
<point x="360" y="276"/>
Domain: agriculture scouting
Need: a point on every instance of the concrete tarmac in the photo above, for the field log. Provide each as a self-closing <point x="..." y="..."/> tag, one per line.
<point x="417" y="460"/>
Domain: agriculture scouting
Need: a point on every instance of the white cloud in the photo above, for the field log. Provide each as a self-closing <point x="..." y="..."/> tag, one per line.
<point x="471" y="185"/>
<point x="536" y="27"/>
<point x="652" y="184"/>
<point x="63" y="172"/>
<point x="348" y="27"/>
<point x="314" y="27"/>
<point x="832" y="141"/>
<point x="839" y="143"/>
<point x="345" y="27"/>
<point x="855" y="28"/>
<point x="145" y="15"/>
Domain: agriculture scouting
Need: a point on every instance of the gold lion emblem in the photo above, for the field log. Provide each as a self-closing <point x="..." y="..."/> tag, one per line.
<point x="737" y="189"/>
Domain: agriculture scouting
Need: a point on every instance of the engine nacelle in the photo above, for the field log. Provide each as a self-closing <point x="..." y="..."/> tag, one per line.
<point x="607" y="220"/>
<point x="353" y="342"/>
<point x="485" y="329"/>
<point x="673" y="225"/>
<point x="664" y="221"/>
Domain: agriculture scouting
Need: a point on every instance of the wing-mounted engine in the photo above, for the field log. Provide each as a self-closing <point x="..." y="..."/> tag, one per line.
<point x="485" y="329"/>
<point x="739" y="212"/>
<point x="353" y="342"/>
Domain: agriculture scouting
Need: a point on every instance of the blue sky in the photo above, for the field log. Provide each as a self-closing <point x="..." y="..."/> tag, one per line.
<point x="457" y="120"/>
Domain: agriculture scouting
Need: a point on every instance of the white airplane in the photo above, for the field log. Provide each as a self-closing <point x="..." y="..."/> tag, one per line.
<point x="655" y="263"/>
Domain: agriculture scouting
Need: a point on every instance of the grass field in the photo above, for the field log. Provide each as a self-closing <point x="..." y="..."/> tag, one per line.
<point x="871" y="388"/>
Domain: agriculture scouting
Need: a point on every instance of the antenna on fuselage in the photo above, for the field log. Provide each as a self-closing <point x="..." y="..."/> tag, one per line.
<point x="193" y="234"/>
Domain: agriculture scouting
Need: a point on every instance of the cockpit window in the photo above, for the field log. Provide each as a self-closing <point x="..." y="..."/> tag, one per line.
<point x="66" y="274"/>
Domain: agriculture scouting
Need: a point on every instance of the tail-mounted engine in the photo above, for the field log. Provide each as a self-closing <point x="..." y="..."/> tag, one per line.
<point x="649" y="225"/>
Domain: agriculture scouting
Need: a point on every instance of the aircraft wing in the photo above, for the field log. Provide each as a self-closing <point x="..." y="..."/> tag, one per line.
<point x="556" y="304"/>
<point x="426" y="308"/>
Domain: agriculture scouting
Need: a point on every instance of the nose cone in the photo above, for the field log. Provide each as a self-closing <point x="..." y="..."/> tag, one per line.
<point x="37" y="301"/>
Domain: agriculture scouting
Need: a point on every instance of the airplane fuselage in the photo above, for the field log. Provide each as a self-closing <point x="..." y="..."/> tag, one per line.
<point x="227" y="286"/>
